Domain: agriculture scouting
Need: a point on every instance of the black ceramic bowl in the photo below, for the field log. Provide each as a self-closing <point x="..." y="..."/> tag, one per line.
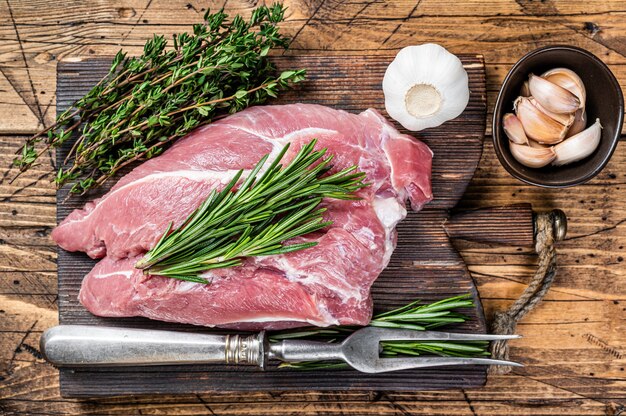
<point x="604" y="101"/>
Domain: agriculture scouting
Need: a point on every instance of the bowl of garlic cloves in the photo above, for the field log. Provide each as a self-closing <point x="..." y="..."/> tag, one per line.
<point x="558" y="117"/>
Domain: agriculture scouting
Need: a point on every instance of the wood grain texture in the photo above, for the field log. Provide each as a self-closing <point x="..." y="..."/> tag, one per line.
<point x="512" y="225"/>
<point x="425" y="265"/>
<point x="504" y="30"/>
<point x="572" y="342"/>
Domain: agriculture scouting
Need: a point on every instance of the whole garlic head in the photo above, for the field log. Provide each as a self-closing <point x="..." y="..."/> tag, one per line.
<point x="425" y="86"/>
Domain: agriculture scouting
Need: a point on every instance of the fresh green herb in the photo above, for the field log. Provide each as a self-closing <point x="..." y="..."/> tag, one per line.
<point x="256" y="219"/>
<point x="422" y="317"/>
<point x="145" y="103"/>
<point x="412" y="316"/>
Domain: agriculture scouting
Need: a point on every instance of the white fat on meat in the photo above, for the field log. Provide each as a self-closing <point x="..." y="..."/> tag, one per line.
<point x="390" y="212"/>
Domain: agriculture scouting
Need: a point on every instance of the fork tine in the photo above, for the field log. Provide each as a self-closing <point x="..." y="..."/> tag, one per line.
<point x="392" y="364"/>
<point x="388" y="334"/>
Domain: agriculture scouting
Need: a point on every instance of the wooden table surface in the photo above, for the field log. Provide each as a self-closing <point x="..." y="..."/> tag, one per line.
<point x="574" y="343"/>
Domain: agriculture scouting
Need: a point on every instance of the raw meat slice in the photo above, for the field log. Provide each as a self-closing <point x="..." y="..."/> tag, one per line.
<point x="265" y="292"/>
<point x="325" y="285"/>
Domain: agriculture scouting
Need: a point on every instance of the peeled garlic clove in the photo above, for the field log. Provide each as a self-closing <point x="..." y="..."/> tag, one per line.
<point x="579" y="124"/>
<point x="425" y="86"/>
<point x="513" y="129"/>
<point x="525" y="91"/>
<point x="569" y="80"/>
<point x="532" y="157"/>
<point x="578" y="146"/>
<point x="537" y="125"/>
<point x="565" y="119"/>
<point x="551" y="96"/>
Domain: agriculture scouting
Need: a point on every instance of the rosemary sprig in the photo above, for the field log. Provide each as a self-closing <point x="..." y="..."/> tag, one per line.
<point x="422" y="317"/>
<point x="256" y="219"/>
<point x="144" y="103"/>
<point x="411" y="316"/>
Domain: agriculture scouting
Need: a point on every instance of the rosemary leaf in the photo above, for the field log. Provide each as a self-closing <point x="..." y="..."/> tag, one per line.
<point x="256" y="219"/>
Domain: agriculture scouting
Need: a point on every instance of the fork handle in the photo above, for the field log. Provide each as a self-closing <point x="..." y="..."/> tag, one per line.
<point x="82" y="345"/>
<point x="300" y="350"/>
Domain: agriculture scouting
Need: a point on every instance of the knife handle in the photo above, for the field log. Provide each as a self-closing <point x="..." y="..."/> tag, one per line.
<point x="87" y="346"/>
<point x="508" y="225"/>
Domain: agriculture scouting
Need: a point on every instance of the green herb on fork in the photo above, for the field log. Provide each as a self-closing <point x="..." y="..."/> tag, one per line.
<point x="414" y="316"/>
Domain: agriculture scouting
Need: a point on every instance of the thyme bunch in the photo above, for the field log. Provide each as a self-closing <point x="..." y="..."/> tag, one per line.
<point x="266" y="210"/>
<point x="415" y="316"/>
<point x="146" y="102"/>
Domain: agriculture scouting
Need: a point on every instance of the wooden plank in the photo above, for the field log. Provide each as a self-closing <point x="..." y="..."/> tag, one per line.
<point x="504" y="30"/>
<point x="334" y="85"/>
<point x="424" y="264"/>
<point x="376" y="36"/>
<point x="23" y="120"/>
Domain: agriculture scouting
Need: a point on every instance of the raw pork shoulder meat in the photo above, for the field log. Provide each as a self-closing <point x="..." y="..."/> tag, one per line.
<point x="325" y="285"/>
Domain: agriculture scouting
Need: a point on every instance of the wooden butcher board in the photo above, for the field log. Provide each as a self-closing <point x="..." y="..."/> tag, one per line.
<point x="424" y="266"/>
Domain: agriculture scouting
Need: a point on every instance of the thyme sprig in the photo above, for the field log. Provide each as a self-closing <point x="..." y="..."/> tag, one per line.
<point x="146" y="102"/>
<point x="415" y="316"/>
<point x="267" y="209"/>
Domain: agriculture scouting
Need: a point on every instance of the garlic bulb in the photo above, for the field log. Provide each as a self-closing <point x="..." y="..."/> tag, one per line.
<point x="425" y="86"/>
<point x="578" y="146"/>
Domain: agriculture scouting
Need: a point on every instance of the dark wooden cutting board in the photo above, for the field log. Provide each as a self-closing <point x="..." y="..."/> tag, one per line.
<point x="424" y="266"/>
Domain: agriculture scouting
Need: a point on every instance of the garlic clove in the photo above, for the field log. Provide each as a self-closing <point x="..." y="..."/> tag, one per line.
<point x="537" y="145"/>
<point x="532" y="157"/>
<point x="513" y="129"/>
<point x="525" y="91"/>
<point x="537" y="125"/>
<point x="578" y="146"/>
<point x="425" y="86"/>
<point x="565" y="119"/>
<point x="551" y="96"/>
<point x="568" y="79"/>
<point x="579" y="124"/>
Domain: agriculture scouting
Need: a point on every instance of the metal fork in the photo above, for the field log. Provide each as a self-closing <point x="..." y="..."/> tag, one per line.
<point x="362" y="349"/>
<point x="81" y="346"/>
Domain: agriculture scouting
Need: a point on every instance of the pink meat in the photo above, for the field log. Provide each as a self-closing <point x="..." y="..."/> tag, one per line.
<point x="325" y="285"/>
